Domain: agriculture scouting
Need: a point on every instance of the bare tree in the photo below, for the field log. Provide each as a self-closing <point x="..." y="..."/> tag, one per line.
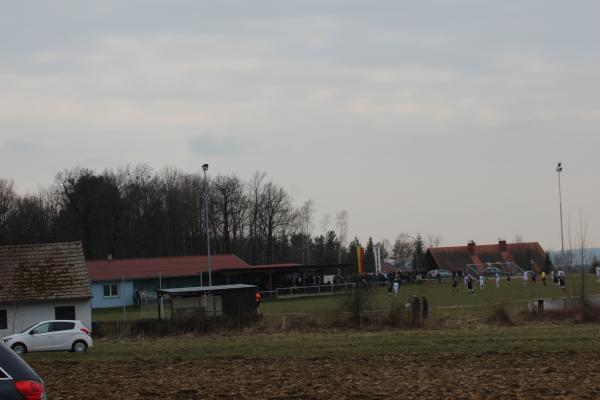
<point x="582" y="239"/>
<point x="231" y="206"/>
<point x="325" y="221"/>
<point x="432" y="240"/>
<point x="255" y="190"/>
<point x="276" y="215"/>
<point x="403" y="249"/>
<point x="306" y="214"/>
<point x="341" y="222"/>
<point x="8" y="199"/>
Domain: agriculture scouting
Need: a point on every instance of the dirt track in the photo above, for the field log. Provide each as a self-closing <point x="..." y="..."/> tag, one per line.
<point x="488" y="376"/>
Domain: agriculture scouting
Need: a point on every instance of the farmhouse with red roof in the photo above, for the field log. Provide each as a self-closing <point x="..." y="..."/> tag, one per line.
<point x="503" y="255"/>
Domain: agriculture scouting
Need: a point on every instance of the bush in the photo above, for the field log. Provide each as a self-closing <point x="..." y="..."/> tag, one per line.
<point x="581" y="313"/>
<point x="500" y="317"/>
<point x="398" y="313"/>
<point x="356" y="303"/>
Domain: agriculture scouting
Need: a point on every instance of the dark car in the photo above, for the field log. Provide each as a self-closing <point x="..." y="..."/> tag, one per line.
<point x="17" y="380"/>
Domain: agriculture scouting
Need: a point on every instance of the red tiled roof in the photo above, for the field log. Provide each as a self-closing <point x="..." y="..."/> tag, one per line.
<point x="387" y="268"/>
<point x="275" y="266"/>
<point x="139" y="268"/>
<point x="457" y="257"/>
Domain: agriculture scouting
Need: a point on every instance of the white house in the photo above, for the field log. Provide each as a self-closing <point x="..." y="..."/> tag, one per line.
<point x="43" y="282"/>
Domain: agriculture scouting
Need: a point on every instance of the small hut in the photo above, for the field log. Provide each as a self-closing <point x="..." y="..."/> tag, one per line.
<point x="232" y="301"/>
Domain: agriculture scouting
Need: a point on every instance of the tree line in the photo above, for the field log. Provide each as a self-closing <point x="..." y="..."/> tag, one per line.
<point x="136" y="212"/>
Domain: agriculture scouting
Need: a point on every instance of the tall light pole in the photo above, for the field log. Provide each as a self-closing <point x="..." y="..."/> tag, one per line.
<point x="559" y="169"/>
<point x="205" y="168"/>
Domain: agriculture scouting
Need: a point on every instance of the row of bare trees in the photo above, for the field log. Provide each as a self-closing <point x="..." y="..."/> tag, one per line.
<point x="140" y="212"/>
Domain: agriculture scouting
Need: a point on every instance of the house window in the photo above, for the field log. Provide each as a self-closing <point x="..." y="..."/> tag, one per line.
<point x="67" y="312"/>
<point x="111" y="290"/>
<point x="3" y="319"/>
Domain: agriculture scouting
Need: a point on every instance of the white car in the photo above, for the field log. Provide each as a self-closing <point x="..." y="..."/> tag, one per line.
<point x="51" y="336"/>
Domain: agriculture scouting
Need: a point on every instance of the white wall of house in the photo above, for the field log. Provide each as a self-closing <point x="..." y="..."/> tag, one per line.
<point x="20" y="316"/>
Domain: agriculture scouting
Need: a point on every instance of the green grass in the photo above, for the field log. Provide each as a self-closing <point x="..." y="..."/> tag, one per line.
<point x="439" y="296"/>
<point x="470" y="339"/>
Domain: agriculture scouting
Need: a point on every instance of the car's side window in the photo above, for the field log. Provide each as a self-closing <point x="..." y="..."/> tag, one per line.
<point x="44" y="328"/>
<point x="61" y="326"/>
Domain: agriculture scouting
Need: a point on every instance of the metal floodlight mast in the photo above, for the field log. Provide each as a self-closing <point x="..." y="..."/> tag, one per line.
<point x="559" y="169"/>
<point x="204" y="169"/>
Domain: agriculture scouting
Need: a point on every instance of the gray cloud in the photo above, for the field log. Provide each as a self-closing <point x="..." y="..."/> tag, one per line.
<point x="212" y="145"/>
<point x="19" y="146"/>
<point x="449" y="115"/>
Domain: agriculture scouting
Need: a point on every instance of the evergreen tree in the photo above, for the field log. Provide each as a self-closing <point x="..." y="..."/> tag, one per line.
<point x="418" y="254"/>
<point x="352" y="258"/>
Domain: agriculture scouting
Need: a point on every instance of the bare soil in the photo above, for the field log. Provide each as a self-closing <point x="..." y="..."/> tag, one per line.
<point x="406" y="376"/>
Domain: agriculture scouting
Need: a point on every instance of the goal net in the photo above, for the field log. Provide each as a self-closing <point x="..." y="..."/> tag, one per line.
<point x="502" y="268"/>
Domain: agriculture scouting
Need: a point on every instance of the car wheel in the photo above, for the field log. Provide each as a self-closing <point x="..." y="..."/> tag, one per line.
<point x="79" y="347"/>
<point x="19" y="348"/>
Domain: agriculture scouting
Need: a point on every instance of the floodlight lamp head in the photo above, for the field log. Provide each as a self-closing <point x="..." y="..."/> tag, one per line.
<point x="204" y="167"/>
<point x="559" y="167"/>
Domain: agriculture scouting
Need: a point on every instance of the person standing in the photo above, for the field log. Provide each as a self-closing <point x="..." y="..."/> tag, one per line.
<point x="525" y="277"/>
<point x="562" y="283"/>
<point x="258" y="297"/>
<point x="425" y="308"/>
<point x="497" y="279"/>
<point x="454" y="284"/>
<point x="481" y="282"/>
<point x="508" y="279"/>
<point x="416" y="310"/>
<point x="543" y="278"/>
<point x="470" y="285"/>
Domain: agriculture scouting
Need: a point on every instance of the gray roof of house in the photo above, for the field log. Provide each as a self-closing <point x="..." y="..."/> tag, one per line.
<point x="200" y="289"/>
<point x="52" y="271"/>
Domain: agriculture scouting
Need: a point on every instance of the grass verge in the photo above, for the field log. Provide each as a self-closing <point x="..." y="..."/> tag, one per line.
<point x="477" y="339"/>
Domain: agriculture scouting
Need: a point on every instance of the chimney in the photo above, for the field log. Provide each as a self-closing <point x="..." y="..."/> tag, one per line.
<point x="502" y="245"/>
<point x="471" y="247"/>
<point x="109" y="257"/>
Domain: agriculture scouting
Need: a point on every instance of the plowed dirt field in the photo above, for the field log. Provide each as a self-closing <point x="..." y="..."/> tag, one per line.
<point x="404" y="376"/>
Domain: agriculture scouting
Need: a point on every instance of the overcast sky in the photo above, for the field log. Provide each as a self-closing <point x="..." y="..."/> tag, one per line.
<point x="424" y="116"/>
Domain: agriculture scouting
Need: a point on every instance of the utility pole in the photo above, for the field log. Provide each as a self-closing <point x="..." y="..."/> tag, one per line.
<point x="205" y="168"/>
<point x="559" y="169"/>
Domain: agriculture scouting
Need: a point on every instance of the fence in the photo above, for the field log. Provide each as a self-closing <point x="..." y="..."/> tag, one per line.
<point x="313" y="290"/>
<point x="165" y="327"/>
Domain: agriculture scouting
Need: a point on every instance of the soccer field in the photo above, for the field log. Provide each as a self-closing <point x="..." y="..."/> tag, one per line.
<point x="442" y="301"/>
<point x="440" y="297"/>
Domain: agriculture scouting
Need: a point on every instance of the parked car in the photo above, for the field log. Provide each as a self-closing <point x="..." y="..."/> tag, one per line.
<point x="17" y="380"/>
<point x="51" y="336"/>
<point x="443" y="273"/>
